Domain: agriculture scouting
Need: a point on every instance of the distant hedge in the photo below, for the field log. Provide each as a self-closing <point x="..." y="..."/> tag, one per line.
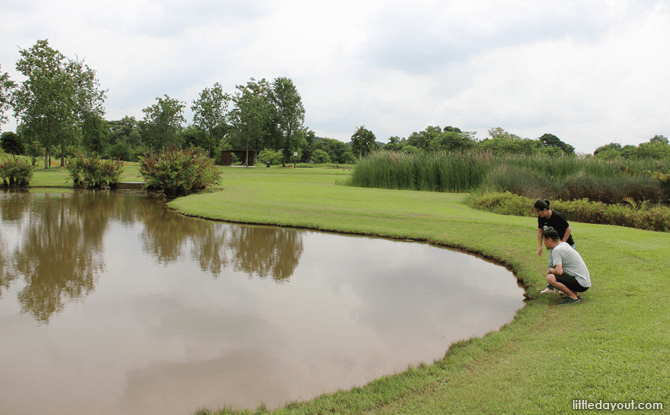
<point x="641" y="215"/>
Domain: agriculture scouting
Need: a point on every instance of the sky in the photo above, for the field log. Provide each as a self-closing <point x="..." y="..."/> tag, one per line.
<point x="591" y="72"/>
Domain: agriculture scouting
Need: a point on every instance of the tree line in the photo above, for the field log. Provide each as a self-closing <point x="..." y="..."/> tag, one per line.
<point x="60" y="112"/>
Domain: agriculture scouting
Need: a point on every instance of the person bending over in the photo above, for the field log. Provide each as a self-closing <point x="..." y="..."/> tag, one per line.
<point x="551" y="218"/>
<point x="569" y="273"/>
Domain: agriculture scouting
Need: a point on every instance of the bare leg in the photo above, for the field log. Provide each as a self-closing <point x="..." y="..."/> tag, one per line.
<point x="551" y="279"/>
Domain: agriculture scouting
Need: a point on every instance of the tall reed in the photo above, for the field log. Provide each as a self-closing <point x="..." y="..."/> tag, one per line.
<point x="568" y="177"/>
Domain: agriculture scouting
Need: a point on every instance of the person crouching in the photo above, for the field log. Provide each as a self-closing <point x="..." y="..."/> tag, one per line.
<point x="569" y="273"/>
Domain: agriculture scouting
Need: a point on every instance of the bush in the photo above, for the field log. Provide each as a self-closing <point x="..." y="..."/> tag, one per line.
<point x="16" y="172"/>
<point x="93" y="173"/>
<point x="274" y="157"/>
<point x="641" y="215"/>
<point x="179" y="172"/>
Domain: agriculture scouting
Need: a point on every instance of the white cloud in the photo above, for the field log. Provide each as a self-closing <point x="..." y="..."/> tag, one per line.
<point x="589" y="72"/>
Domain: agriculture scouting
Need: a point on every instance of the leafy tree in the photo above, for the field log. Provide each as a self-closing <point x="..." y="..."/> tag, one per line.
<point x="629" y="151"/>
<point x="290" y="115"/>
<point x="612" y="150"/>
<point x="450" y="141"/>
<point x="502" y="142"/>
<point x="95" y="132"/>
<point x="659" y="139"/>
<point x="11" y="143"/>
<point x="6" y="86"/>
<point x="250" y="118"/>
<point x="55" y="95"/>
<point x="335" y="148"/>
<point x="320" y="156"/>
<point x="120" y="150"/>
<point x="550" y="140"/>
<point x="274" y="157"/>
<point x="35" y="150"/>
<point x="362" y="142"/>
<point x="210" y="110"/>
<point x="163" y="120"/>
<point x="192" y="137"/>
<point x="656" y="148"/>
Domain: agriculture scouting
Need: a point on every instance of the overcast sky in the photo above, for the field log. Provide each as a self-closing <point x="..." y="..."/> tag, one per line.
<point x="589" y="72"/>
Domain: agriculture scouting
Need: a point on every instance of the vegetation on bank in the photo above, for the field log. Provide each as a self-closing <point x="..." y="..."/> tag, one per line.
<point x="15" y="171"/>
<point x="178" y="172"/>
<point x="93" y="173"/>
<point x="608" y="347"/>
<point x="641" y="215"/>
<point x="565" y="177"/>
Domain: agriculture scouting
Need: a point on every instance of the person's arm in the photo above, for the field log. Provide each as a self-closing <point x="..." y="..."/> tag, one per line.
<point x="557" y="269"/>
<point x="568" y="231"/>
<point x="539" y="241"/>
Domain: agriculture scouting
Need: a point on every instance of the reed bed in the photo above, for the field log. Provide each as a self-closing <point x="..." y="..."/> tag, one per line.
<point x="536" y="176"/>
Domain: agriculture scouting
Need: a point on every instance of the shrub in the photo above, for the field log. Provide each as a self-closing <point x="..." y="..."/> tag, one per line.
<point x="16" y="172"/>
<point x="179" y="172"/>
<point x="274" y="157"/>
<point x="93" y="173"/>
<point x="641" y="215"/>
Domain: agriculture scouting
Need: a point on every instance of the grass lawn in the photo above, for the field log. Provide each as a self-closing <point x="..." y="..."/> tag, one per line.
<point x="60" y="177"/>
<point x="614" y="346"/>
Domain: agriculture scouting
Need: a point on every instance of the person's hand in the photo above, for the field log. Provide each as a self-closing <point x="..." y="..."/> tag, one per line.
<point x="539" y="251"/>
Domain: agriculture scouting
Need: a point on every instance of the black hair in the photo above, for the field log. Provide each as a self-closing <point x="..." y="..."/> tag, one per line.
<point x="541" y="205"/>
<point x="551" y="233"/>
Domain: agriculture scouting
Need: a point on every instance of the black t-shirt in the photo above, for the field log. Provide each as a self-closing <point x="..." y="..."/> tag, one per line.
<point x="558" y="222"/>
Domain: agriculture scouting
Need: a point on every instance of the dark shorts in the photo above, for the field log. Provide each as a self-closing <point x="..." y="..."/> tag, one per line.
<point x="571" y="282"/>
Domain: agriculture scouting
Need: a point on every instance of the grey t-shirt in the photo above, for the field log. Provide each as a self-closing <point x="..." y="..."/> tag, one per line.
<point x="572" y="263"/>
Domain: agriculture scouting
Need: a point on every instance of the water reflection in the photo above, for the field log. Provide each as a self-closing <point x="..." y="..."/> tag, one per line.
<point x="60" y="254"/>
<point x="114" y="305"/>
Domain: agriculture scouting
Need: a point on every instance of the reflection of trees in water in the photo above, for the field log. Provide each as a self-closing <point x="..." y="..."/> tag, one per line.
<point x="60" y="253"/>
<point x="60" y="250"/>
<point x="254" y="250"/>
<point x="209" y="249"/>
<point x="265" y="251"/>
<point x="165" y="233"/>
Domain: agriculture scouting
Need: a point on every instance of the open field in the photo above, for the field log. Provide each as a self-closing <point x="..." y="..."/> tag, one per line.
<point x="613" y="346"/>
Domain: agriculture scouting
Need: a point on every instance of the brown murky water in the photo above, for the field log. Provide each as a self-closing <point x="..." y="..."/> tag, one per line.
<point x="110" y="304"/>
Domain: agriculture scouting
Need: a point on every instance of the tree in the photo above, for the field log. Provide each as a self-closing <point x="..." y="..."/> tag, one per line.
<point x="11" y="143"/>
<point x="94" y="132"/>
<point x="502" y="142"/>
<point x="612" y="150"/>
<point x="210" y="110"/>
<point x="550" y="140"/>
<point x="55" y="95"/>
<point x="163" y="120"/>
<point x="362" y="141"/>
<point x="290" y="115"/>
<point x="320" y="156"/>
<point x="6" y="86"/>
<point x="250" y="118"/>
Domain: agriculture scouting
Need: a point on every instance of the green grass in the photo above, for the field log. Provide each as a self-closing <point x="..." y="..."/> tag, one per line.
<point x="613" y="346"/>
<point x="60" y="177"/>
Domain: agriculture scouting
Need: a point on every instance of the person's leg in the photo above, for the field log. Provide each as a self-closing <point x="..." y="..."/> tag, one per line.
<point x="551" y="279"/>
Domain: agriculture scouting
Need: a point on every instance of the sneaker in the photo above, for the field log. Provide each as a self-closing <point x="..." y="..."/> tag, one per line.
<point x="568" y="300"/>
<point x="550" y="289"/>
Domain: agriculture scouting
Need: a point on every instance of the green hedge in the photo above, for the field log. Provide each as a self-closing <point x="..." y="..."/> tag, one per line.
<point x="641" y="215"/>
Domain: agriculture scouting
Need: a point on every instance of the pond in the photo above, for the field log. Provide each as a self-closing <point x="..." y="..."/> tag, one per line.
<point x="112" y="304"/>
